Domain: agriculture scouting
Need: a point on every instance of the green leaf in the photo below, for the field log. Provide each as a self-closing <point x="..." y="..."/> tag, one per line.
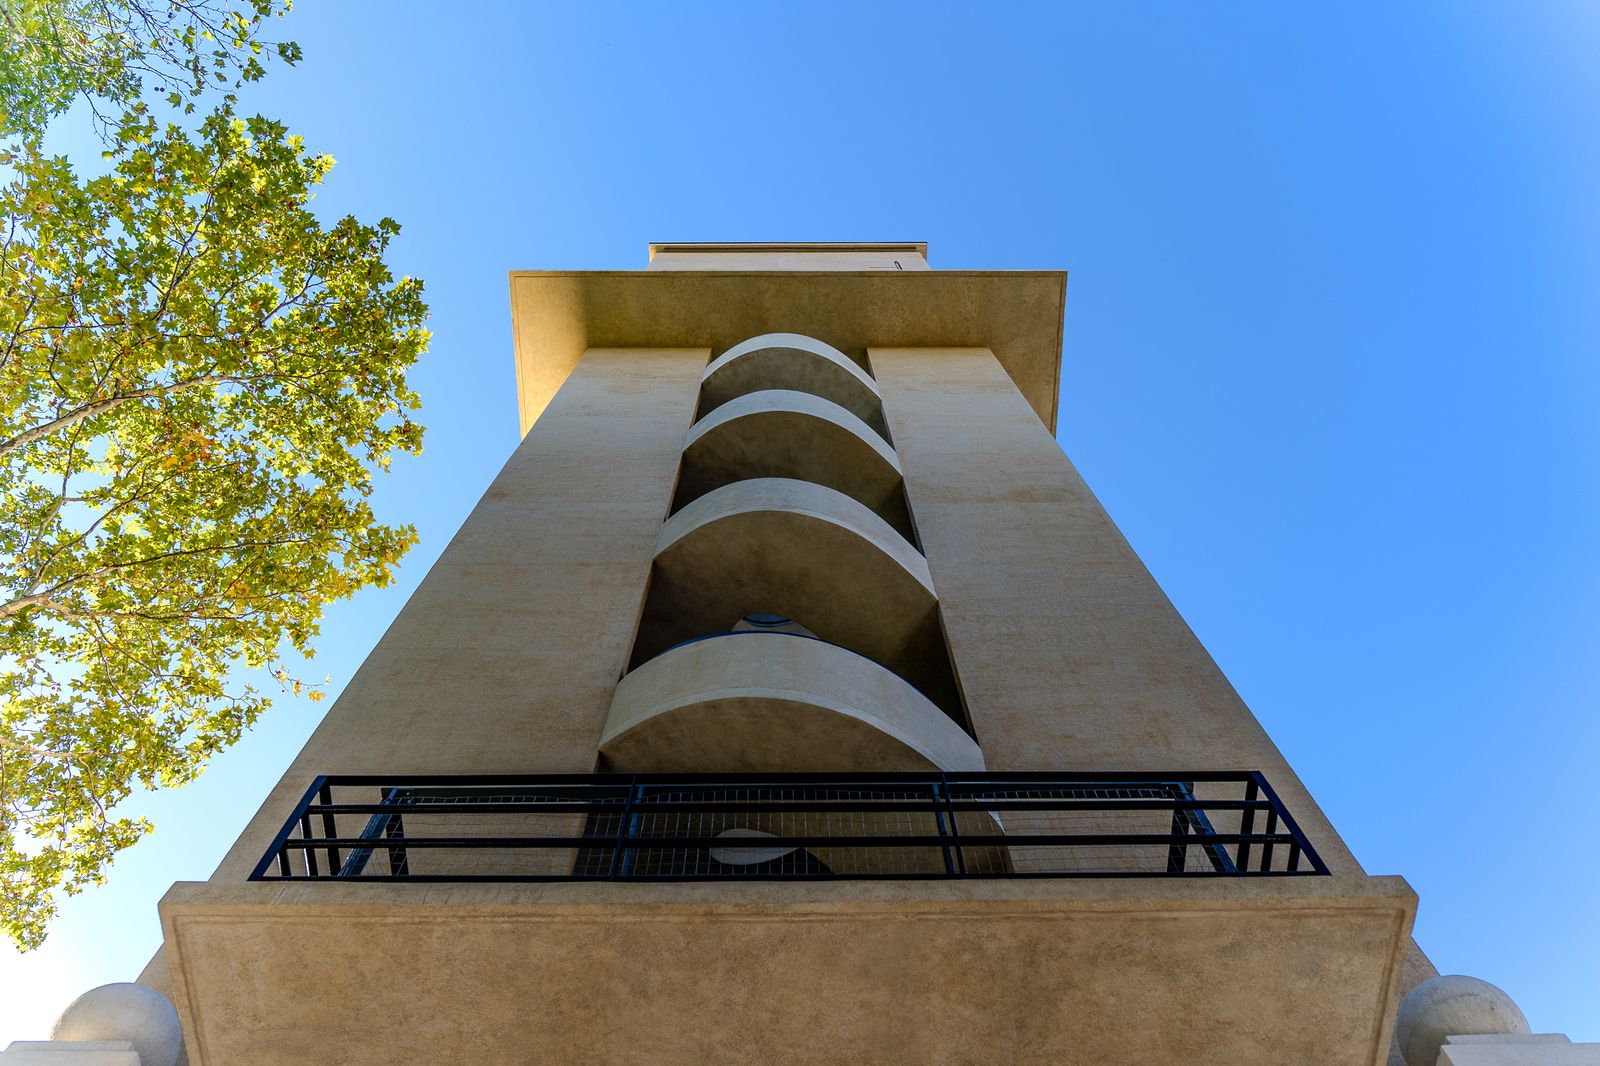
<point x="209" y="374"/>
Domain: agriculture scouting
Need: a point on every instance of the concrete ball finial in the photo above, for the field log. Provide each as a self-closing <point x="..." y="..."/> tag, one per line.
<point x="125" y="1011"/>
<point x="1452" y="1005"/>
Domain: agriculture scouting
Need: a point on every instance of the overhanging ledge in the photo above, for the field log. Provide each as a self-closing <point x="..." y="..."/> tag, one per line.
<point x="557" y="315"/>
<point x="1237" y="974"/>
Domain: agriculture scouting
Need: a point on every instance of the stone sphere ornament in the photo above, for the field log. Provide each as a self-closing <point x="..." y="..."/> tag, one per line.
<point x="125" y="1011"/>
<point x="1452" y="1005"/>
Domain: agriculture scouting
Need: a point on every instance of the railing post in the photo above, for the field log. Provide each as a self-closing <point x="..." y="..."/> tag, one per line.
<point x="1177" y="854"/>
<point x="330" y="828"/>
<point x="624" y="826"/>
<point x="395" y="829"/>
<point x="310" y="853"/>
<point x="938" y="818"/>
<point x="955" y="830"/>
<point x="1247" y="825"/>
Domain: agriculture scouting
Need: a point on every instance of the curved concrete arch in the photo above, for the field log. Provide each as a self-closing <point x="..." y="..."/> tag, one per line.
<point x="772" y="702"/>
<point x="790" y="434"/>
<point x="792" y="361"/>
<point x="806" y="552"/>
<point x="785" y="498"/>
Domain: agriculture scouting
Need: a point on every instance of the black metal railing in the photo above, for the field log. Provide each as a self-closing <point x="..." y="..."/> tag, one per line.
<point x="693" y="827"/>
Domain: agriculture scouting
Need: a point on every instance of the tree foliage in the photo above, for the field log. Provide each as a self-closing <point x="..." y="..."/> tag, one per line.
<point x="197" y="381"/>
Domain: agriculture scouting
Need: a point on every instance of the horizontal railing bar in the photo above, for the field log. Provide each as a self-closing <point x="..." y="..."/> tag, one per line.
<point x="787" y="778"/>
<point x="403" y="807"/>
<point x="761" y="806"/>
<point x="1206" y="871"/>
<point x="1070" y="804"/>
<point x="762" y="843"/>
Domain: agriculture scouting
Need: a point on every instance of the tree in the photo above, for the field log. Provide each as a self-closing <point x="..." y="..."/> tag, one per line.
<point x="198" y="380"/>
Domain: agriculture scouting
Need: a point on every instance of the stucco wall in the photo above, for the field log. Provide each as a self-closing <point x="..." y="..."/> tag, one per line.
<point x="1295" y="972"/>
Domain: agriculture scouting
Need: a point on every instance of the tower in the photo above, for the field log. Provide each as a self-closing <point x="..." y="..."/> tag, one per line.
<point x="789" y="697"/>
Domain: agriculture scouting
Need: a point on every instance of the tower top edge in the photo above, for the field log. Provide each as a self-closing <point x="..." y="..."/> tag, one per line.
<point x="918" y="247"/>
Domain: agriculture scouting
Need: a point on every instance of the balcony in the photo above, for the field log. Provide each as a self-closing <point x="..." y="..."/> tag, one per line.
<point x="836" y="919"/>
<point x="780" y="433"/>
<point x="809" y="826"/>
<point x="776" y="701"/>
<point x="794" y="362"/>
<point x="806" y="552"/>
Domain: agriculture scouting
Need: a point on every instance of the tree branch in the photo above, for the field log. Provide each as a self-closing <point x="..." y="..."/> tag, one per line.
<point x="89" y="410"/>
<point x="43" y="753"/>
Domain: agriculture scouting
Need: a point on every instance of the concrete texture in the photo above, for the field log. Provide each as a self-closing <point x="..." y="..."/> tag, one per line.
<point x="1453" y="1005"/>
<point x="505" y="657"/>
<point x="1114" y="973"/>
<point x="783" y="433"/>
<point x="557" y="315"/>
<point x="792" y="361"/>
<point x="797" y="549"/>
<point x="773" y="701"/>
<point x="1070" y="656"/>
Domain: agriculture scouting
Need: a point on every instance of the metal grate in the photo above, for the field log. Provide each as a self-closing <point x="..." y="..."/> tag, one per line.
<point x="693" y="827"/>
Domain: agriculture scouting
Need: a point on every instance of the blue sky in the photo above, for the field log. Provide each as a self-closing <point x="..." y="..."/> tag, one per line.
<point x="1330" y="357"/>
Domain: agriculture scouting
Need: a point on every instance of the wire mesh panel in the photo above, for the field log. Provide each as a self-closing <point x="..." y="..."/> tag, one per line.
<point x="759" y="830"/>
<point x="468" y="815"/>
<point x="787" y="826"/>
<point x="1064" y="819"/>
<point x="1125" y="828"/>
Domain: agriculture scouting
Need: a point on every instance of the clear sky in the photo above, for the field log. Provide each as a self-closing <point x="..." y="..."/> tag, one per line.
<point x="1330" y="357"/>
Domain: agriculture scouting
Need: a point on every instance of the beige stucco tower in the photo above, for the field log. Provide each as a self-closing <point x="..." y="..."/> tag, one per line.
<point x="789" y="510"/>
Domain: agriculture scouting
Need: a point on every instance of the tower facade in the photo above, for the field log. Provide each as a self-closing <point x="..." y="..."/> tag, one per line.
<point x="788" y="697"/>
